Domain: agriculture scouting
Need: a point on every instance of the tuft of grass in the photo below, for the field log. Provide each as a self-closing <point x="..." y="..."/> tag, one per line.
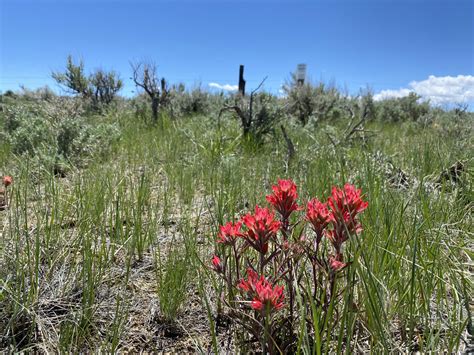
<point x="173" y="282"/>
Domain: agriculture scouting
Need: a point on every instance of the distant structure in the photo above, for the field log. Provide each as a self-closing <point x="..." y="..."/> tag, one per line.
<point x="300" y="73"/>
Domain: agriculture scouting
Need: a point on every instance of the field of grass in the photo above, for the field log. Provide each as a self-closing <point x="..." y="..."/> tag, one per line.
<point x="115" y="255"/>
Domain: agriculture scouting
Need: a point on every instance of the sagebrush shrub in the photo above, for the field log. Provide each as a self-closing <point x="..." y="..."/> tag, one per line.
<point x="184" y="103"/>
<point x="99" y="88"/>
<point x="307" y="102"/>
<point x="407" y="108"/>
<point x="55" y="133"/>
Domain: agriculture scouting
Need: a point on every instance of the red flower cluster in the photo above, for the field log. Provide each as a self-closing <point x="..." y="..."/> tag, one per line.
<point x="290" y="258"/>
<point x="266" y="297"/>
<point x="284" y="198"/>
<point x="229" y="233"/>
<point x="7" y="180"/>
<point x="341" y="211"/>
<point x="249" y="284"/>
<point x="345" y="204"/>
<point x="262" y="227"/>
<point x="337" y="219"/>
<point x="347" y="200"/>
<point x="318" y="214"/>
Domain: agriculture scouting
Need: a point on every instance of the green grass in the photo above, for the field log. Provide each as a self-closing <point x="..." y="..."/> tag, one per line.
<point x="86" y="262"/>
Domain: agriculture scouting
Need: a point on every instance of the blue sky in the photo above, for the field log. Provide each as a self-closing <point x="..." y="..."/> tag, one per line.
<point x="392" y="46"/>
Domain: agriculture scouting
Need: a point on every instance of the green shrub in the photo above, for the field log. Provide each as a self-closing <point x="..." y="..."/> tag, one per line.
<point x="100" y="88"/>
<point x="184" y="102"/>
<point x="407" y="108"/>
<point x="308" y="102"/>
<point x="55" y="134"/>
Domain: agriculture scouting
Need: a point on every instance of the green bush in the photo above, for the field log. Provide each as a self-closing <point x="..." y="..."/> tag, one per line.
<point x="55" y="134"/>
<point x="99" y="88"/>
<point x="407" y="108"/>
<point x="307" y="102"/>
<point x="184" y="102"/>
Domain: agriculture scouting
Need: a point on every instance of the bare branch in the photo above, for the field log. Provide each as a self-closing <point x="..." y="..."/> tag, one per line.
<point x="145" y="76"/>
<point x="357" y="125"/>
<point x="243" y="117"/>
<point x="259" y="86"/>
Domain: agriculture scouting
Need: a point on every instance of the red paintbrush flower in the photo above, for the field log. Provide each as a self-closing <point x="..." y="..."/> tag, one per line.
<point x="318" y="214"/>
<point x="261" y="228"/>
<point x="343" y="226"/>
<point x="284" y="198"/>
<point x="268" y="297"/>
<point x="216" y="263"/>
<point x="265" y="296"/>
<point x="249" y="284"/>
<point x="7" y="180"/>
<point x="348" y="200"/>
<point x="345" y="204"/>
<point x="229" y="233"/>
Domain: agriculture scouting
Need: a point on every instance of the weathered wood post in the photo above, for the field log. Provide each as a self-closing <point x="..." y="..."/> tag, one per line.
<point x="241" y="80"/>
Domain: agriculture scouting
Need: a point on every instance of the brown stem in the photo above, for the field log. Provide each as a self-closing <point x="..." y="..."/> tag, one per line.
<point x="237" y="263"/>
<point x="290" y="289"/>
<point x="285" y="228"/>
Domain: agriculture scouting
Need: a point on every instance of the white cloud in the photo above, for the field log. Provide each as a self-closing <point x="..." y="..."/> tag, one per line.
<point x="446" y="89"/>
<point x="439" y="90"/>
<point x="391" y="94"/>
<point x="281" y="92"/>
<point x="225" y="87"/>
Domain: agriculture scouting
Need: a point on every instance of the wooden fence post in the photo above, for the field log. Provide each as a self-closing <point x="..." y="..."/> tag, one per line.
<point x="241" y="81"/>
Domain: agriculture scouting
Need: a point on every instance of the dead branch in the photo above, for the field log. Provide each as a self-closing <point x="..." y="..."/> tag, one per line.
<point x="355" y="128"/>
<point x="246" y="116"/>
<point x="145" y="76"/>
<point x="243" y="117"/>
<point x="249" y="122"/>
<point x="259" y="86"/>
<point x="333" y="142"/>
<point x="452" y="174"/>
